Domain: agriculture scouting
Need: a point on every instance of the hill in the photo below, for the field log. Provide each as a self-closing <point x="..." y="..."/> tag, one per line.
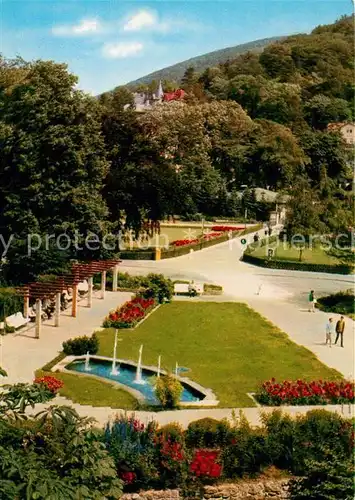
<point x="176" y="71"/>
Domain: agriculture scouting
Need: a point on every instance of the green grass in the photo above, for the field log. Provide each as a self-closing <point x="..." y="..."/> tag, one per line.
<point x="309" y="255"/>
<point x="86" y="390"/>
<point x="227" y="347"/>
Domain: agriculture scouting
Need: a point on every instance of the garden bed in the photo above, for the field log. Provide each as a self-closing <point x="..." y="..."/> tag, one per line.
<point x="130" y="314"/>
<point x="210" y="339"/>
<point x="302" y="393"/>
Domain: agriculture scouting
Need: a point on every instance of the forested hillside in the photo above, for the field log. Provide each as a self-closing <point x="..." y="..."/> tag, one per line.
<point x="70" y="163"/>
<point x="199" y="63"/>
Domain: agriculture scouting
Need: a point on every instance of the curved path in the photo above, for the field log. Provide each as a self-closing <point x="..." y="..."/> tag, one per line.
<point x="279" y="295"/>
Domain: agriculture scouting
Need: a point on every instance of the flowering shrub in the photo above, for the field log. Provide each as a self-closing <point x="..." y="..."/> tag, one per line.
<point x="205" y="237"/>
<point x="168" y="390"/>
<point x="130" y="313"/>
<point x="205" y="464"/>
<point x="51" y="383"/>
<point x="146" y="456"/>
<point x="132" y="446"/>
<point x="305" y="393"/>
<point x="227" y="228"/>
<point x="182" y="243"/>
<point x="128" y="477"/>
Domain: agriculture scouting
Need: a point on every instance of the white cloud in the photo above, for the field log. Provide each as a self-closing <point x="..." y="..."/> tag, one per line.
<point x="84" y="27"/>
<point x="140" y="20"/>
<point x="121" y="50"/>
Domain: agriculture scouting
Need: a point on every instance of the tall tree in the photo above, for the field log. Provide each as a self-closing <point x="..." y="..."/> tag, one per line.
<point x="52" y="159"/>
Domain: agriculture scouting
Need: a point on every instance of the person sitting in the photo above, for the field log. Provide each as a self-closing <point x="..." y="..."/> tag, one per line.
<point x="192" y="290"/>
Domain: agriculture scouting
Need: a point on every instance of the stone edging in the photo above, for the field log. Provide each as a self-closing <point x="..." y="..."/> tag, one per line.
<point x="248" y="489"/>
<point x="210" y="398"/>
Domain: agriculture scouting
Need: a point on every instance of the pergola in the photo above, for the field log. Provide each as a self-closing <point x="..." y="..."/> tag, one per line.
<point x="40" y="291"/>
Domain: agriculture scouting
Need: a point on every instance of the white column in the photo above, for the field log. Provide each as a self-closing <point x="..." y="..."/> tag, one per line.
<point x="103" y="284"/>
<point x="38" y="317"/>
<point x="90" y="287"/>
<point x="57" y="309"/>
<point x="26" y="306"/>
<point x="114" y="279"/>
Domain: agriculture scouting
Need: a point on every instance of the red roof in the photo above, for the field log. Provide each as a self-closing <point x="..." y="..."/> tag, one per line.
<point x="174" y="96"/>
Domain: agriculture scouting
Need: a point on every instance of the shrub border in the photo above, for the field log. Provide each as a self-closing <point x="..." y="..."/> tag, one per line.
<point x="297" y="266"/>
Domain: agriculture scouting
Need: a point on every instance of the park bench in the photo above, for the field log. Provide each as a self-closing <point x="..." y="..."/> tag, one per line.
<point x="183" y="288"/>
<point x="83" y="287"/>
<point x="16" y="320"/>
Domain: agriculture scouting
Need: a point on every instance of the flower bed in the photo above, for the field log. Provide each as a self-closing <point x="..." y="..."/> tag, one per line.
<point x="128" y="315"/>
<point x="206" y="237"/>
<point x="51" y="383"/>
<point x="305" y="393"/>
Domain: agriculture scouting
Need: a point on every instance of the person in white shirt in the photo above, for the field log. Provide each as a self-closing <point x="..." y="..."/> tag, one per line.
<point x="329" y="331"/>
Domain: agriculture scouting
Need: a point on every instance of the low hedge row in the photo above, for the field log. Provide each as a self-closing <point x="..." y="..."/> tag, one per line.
<point x="184" y="250"/>
<point x="297" y="266"/>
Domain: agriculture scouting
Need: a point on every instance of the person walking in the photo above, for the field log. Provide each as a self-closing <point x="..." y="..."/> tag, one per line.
<point x="312" y="301"/>
<point x="339" y="329"/>
<point x="329" y="330"/>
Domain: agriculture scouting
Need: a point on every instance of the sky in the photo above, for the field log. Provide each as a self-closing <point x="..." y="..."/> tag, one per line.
<point x="111" y="42"/>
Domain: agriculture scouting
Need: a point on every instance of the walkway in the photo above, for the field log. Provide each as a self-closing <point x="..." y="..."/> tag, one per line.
<point x="21" y="354"/>
<point x="104" y="414"/>
<point x="280" y="296"/>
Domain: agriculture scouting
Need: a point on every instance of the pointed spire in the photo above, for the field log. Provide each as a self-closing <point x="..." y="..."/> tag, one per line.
<point x="160" y="93"/>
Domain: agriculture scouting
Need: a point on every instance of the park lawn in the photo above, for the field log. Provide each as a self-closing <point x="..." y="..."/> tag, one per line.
<point x="87" y="390"/>
<point x="226" y="346"/>
<point x="309" y="255"/>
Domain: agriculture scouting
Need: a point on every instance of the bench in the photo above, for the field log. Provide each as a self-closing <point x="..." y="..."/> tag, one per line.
<point x="16" y="320"/>
<point x="183" y="288"/>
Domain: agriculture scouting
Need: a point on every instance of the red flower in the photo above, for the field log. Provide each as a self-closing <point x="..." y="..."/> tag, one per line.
<point x="51" y="383"/>
<point x="205" y="464"/>
<point x="128" y="477"/>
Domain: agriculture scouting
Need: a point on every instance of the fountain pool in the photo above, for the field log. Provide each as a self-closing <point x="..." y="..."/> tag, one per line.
<point x="127" y="376"/>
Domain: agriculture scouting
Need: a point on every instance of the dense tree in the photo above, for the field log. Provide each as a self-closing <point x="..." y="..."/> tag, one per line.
<point x="189" y="79"/>
<point x="52" y="157"/>
<point x="321" y="110"/>
<point x="326" y="150"/>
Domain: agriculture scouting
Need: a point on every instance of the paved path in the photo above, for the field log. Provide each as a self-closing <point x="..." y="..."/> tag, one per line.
<point x="280" y="296"/>
<point x="102" y="415"/>
<point x="21" y="354"/>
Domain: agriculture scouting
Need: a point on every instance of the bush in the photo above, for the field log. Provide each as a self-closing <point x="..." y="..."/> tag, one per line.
<point x="328" y="479"/>
<point x="157" y="286"/>
<point x="168" y="391"/>
<point x="341" y="302"/>
<point x="132" y="446"/>
<point x="315" y="429"/>
<point x="207" y="433"/>
<point x="81" y="345"/>
<point x="173" y="431"/>
<point x="297" y="266"/>
<point x="246" y="452"/>
<point x="10" y="303"/>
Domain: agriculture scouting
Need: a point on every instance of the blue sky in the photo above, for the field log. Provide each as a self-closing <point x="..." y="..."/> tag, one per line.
<point x="110" y="42"/>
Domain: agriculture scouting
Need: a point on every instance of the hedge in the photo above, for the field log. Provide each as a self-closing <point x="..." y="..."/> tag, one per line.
<point x="178" y="251"/>
<point x="10" y="302"/>
<point x="297" y="266"/>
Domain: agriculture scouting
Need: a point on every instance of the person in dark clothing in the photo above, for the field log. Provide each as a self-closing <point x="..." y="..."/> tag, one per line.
<point x="339" y="329"/>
